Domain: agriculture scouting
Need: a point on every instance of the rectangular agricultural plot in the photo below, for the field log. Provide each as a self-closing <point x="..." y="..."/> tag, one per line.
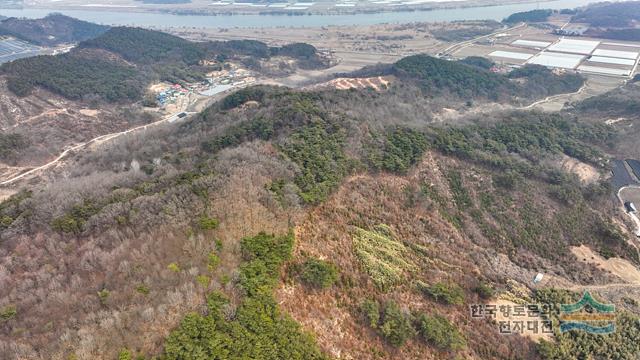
<point x="511" y="55"/>
<point x="604" y="70"/>
<point x="611" y="60"/>
<point x="616" y="54"/>
<point x="621" y="44"/>
<point x="16" y="49"/>
<point x="531" y="43"/>
<point x="558" y="60"/>
<point x="574" y="46"/>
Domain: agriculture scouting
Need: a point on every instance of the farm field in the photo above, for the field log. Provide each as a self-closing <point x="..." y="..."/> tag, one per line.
<point x="530" y="45"/>
<point x="12" y="49"/>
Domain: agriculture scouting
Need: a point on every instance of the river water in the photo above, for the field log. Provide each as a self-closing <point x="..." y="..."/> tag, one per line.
<point x="161" y="20"/>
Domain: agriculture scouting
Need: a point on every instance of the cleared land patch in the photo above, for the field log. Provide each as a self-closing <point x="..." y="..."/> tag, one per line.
<point x="617" y="266"/>
<point x="585" y="172"/>
<point x="377" y="83"/>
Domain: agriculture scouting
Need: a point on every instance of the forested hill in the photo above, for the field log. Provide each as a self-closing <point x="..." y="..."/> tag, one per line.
<point x="377" y="207"/>
<point x="470" y="79"/>
<point x="106" y="67"/>
<point x="118" y="65"/>
<point x="75" y="77"/>
<point x="465" y="81"/>
<point x="538" y="15"/>
<point x="146" y="46"/>
<point x="54" y="29"/>
<point x="614" y="15"/>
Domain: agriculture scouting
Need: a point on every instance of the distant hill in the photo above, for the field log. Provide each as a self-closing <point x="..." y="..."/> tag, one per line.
<point x="465" y="81"/>
<point x="102" y="67"/>
<point x="118" y="64"/>
<point x="306" y="54"/>
<point x="630" y="34"/>
<point x="610" y="15"/>
<point x="54" y="29"/>
<point x="75" y="77"/>
<point x="538" y="15"/>
<point x="470" y="79"/>
<point x="146" y="46"/>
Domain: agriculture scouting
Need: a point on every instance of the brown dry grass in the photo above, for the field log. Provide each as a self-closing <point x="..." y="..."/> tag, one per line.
<point x="616" y="266"/>
<point x="327" y="231"/>
<point x="585" y="172"/>
<point x="53" y="279"/>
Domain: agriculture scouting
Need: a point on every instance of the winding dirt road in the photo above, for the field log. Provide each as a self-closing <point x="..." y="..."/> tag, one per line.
<point x="555" y="97"/>
<point x="95" y="140"/>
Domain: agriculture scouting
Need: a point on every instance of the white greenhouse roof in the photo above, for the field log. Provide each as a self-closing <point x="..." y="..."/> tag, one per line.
<point x="616" y="53"/>
<point x="610" y="60"/>
<point x="531" y="43"/>
<point x="621" y="44"/>
<point x="511" y="55"/>
<point x="574" y="46"/>
<point x="603" y="70"/>
<point x="558" y="60"/>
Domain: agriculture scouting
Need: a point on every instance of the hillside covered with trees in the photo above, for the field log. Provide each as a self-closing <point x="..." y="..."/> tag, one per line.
<point x="304" y="228"/>
<point x="610" y="15"/>
<point x="118" y="65"/>
<point x="75" y="77"/>
<point x="143" y="46"/>
<point x="54" y="29"/>
<point x="471" y="79"/>
<point x="539" y="15"/>
<point x="316" y="223"/>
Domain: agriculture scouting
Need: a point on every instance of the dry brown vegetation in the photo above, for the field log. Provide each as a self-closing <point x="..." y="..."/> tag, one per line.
<point x="114" y="249"/>
<point x="49" y="123"/>
<point x="444" y="253"/>
<point x="63" y="314"/>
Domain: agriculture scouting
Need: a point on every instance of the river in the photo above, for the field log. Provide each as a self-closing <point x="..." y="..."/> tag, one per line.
<point x="162" y="20"/>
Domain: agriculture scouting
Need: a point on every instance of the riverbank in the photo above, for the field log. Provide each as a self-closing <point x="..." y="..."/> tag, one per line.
<point x="301" y="8"/>
<point x="121" y="16"/>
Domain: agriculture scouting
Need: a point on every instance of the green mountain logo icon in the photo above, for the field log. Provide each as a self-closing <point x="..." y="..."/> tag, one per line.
<point x="588" y="315"/>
